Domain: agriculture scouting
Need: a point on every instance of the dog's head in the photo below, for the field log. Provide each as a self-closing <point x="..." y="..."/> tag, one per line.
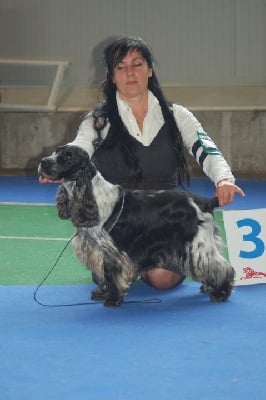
<point x="67" y="162"/>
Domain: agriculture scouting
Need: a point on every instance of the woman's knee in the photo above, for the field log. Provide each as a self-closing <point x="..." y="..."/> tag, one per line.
<point x="161" y="278"/>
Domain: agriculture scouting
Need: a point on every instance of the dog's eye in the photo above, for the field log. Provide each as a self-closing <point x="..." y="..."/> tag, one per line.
<point x="68" y="155"/>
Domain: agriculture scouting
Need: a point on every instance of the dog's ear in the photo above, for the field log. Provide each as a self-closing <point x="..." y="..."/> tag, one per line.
<point x="92" y="169"/>
<point x="86" y="173"/>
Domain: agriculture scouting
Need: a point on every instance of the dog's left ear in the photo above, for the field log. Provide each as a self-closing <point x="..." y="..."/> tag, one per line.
<point x="86" y="172"/>
<point x="89" y="170"/>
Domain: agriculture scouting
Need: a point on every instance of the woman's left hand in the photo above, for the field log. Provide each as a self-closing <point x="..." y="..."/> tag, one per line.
<point x="226" y="191"/>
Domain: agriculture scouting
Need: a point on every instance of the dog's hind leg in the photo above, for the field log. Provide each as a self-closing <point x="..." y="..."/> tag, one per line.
<point x="219" y="280"/>
<point x="205" y="263"/>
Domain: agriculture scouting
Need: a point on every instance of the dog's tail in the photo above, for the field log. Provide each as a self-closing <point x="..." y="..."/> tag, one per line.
<point x="206" y="205"/>
<point x="214" y="202"/>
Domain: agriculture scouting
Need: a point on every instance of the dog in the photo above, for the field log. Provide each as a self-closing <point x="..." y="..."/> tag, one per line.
<point x="121" y="233"/>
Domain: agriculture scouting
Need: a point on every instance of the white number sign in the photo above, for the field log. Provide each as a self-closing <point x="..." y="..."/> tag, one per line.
<point x="246" y="238"/>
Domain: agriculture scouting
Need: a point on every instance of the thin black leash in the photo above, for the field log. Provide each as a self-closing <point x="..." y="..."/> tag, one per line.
<point x="150" y="301"/>
<point x="47" y="276"/>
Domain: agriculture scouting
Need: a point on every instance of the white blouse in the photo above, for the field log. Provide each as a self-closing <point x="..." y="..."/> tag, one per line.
<point x="214" y="164"/>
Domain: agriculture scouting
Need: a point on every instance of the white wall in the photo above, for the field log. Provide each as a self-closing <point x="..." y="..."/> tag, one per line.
<point x="196" y="42"/>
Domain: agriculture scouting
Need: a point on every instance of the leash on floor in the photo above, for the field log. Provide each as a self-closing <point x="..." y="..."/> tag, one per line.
<point x="144" y="301"/>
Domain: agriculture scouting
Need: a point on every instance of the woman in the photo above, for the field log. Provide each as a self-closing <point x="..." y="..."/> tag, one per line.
<point x="137" y="140"/>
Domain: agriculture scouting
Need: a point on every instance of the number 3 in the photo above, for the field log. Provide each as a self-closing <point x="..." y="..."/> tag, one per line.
<point x="252" y="237"/>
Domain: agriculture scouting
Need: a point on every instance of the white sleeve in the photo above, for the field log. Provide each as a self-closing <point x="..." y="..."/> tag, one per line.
<point x="208" y="157"/>
<point x="86" y="135"/>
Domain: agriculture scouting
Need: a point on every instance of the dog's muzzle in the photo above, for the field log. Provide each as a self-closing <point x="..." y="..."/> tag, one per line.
<point x="47" y="169"/>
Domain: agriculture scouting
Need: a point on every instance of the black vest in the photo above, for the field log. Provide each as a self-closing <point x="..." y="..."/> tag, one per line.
<point x="158" y="162"/>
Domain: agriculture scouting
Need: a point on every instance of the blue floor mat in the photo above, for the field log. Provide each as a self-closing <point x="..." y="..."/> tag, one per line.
<point x="184" y="347"/>
<point x="26" y="189"/>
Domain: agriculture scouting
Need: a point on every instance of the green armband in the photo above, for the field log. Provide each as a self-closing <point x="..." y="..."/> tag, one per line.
<point x="207" y="144"/>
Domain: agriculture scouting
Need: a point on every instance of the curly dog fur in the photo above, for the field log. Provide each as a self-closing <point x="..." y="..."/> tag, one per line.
<point x="121" y="233"/>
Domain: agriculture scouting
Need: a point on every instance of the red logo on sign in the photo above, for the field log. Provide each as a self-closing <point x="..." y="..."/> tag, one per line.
<point x="252" y="274"/>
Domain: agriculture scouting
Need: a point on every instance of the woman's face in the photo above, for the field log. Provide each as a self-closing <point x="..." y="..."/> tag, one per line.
<point x="131" y="75"/>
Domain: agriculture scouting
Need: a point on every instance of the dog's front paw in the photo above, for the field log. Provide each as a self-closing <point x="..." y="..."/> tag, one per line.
<point x="98" y="294"/>
<point x="109" y="300"/>
<point x="205" y="289"/>
<point x="113" y="302"/>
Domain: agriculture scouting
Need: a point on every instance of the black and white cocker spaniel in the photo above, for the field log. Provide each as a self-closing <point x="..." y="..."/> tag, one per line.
<point x="120" y="233"/>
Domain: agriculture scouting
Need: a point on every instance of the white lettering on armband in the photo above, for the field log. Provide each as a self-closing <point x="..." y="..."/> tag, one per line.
<point x="207" y="144"/>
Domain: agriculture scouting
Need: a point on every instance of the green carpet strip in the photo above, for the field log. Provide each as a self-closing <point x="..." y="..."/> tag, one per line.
<point x="32" y="237"/>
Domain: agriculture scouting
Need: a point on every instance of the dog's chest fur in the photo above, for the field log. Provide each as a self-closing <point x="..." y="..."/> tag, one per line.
<point x="106" y="196"/>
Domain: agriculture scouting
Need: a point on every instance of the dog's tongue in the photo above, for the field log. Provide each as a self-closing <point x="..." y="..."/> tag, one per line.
<point x="45" y="179"/>
<point x="42" y="179"/>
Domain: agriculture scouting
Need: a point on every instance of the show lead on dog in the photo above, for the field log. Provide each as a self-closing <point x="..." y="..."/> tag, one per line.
<point x="136" y="139"/>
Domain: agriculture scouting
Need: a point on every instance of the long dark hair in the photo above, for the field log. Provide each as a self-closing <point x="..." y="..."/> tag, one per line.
<point x="114" y="53"/>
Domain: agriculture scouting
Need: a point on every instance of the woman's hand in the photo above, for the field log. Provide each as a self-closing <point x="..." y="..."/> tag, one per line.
<point x="226" y="191"/>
